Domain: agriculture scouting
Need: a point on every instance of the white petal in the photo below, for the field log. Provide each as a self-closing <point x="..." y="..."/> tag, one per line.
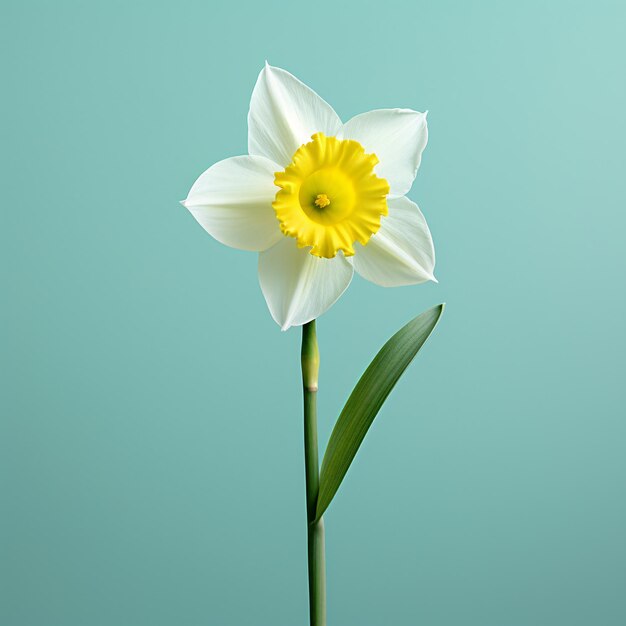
<point x="299" y="287"/>
<point x="232" y="201"/>
<point x="284" y="113"/>
<point x="401" y="252"/>
<point x="397" y="137"/>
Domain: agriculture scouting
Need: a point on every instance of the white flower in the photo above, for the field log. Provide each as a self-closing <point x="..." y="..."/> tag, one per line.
<point x="319" y="199"/>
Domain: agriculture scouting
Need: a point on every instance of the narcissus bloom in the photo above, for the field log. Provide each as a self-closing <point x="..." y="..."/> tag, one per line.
<point x="319" y="199"/>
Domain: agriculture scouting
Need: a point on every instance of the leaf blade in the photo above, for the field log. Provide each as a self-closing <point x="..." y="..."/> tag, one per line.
<point x="366" y="400"/>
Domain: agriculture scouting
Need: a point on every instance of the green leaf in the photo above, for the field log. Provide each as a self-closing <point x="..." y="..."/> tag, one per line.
<point x="366" y="400"/>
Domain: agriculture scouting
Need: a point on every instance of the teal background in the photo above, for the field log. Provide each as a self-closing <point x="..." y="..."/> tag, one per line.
<point x="151" y="448"/>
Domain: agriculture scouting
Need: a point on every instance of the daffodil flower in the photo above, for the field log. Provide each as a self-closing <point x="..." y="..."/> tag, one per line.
<point x="319" y="199"/>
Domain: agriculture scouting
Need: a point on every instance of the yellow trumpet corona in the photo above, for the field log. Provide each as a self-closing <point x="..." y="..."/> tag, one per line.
<point x="330" y="197"/>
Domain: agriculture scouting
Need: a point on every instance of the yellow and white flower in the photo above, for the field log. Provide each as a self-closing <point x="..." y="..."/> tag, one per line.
<point x="319" y="199"/>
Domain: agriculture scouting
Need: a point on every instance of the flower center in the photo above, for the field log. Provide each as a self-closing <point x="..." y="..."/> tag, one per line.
<point x="330" y="197"/>
<point x="322" y="200"/>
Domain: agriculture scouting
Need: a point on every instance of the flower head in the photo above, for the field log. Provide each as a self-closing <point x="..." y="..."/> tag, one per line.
<point x="319" y="199"/>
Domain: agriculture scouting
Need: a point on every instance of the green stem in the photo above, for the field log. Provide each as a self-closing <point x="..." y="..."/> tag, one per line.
<point x="315" y="530"/>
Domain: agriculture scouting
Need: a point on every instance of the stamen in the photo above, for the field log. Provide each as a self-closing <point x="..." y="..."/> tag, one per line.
<point x="322" y="200"/>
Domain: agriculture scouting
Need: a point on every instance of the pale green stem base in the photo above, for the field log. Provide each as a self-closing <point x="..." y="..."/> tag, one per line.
<point x="316" y="558"/>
